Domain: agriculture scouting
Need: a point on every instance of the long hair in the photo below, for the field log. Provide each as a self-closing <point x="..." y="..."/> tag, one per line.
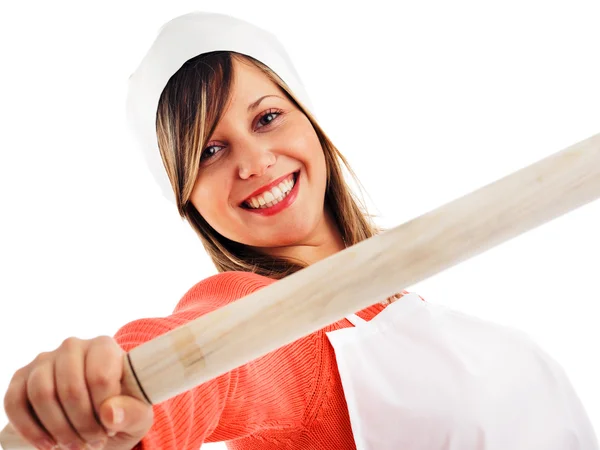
<point x="189" y="110"/>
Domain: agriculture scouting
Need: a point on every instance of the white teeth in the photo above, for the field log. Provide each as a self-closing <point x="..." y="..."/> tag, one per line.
<point x="272" y="197"/>
<point x="268" y="197"/>
<point x="276" y="192"/>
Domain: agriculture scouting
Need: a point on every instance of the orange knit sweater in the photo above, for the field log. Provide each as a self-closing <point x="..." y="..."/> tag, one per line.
<point x="291" y="398"/>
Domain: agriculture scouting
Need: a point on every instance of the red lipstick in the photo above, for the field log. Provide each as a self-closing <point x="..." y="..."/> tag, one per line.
<point x="278" y="207"/>
<point x="267" y="187"/>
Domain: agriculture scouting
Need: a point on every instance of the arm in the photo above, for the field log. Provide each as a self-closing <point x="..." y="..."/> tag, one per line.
<point x="266" y="393"/>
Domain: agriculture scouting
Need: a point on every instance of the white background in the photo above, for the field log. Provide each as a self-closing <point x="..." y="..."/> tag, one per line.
<point x="429" y="101"/>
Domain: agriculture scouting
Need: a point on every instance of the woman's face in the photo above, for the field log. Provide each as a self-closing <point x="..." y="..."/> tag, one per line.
<point x="262" y="174"/>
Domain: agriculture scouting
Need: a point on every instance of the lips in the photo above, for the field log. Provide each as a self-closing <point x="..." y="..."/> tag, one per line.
<point x="268" y="187"/>
<point x="279" y="206"/>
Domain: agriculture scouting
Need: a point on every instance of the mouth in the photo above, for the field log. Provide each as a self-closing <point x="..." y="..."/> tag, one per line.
<point x="274" y="199"/>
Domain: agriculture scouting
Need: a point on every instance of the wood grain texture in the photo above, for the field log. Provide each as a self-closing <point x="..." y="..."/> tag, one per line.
<point x="363" y="274"/>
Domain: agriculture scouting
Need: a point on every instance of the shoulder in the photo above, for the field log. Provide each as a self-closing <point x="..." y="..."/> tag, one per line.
<point x="203" y="298"/>
<point x="221" y="289"/>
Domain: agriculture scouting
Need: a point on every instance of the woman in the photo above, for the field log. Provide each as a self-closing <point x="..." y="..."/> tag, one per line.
<point x="218" y="101"/>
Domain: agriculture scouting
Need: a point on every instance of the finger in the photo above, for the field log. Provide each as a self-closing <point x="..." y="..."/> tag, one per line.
<point x="127" y="415"/>
<point x="41" y="393"/>
<point x="72" y="391"/>
<point x="21" y="416"/>
<point x="103" y="370"/>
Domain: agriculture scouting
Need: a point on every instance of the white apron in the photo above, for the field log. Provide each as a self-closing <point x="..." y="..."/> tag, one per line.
<point x="424" y="377"/>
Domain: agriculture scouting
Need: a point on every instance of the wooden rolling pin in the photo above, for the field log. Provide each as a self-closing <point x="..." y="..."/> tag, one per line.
<point x="357" y="277"/>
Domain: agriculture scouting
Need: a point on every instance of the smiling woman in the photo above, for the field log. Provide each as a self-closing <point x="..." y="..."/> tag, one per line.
<point x="230" y="136"/>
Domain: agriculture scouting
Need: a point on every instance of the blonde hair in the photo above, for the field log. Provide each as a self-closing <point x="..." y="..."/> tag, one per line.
<point x="189" y="109"/>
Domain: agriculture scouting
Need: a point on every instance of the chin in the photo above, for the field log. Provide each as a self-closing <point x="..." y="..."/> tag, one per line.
<point x="278" y="239"/>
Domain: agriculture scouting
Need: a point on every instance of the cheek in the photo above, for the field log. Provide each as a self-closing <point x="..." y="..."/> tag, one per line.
<point x="210" y="199"/>
<point x="308" y="149"/>
<point x="315" y="158"/>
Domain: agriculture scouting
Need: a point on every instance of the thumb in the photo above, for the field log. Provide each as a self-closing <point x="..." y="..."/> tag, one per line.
<point x="125" y="414"/>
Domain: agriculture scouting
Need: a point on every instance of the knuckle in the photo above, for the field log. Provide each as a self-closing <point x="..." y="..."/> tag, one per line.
<point x="40" y="387"/>
<point x="100" y="380"/>
<point x="11" y="402"/>
<point x="74" y="393"/>
<point x="40" y="393"/>
<point x="41" y="358"/>
<point x="20" y="374"/>
<point x="70" y="343"/>
<point x="15" y="393"/>
<point x="105" y="341"/>
<point x="12" y="396"/>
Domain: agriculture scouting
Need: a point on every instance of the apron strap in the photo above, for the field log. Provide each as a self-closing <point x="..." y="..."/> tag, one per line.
<point x="355" y="320"/>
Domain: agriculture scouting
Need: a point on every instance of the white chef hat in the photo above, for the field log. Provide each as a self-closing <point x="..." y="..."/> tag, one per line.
<point x="179" y="40"/>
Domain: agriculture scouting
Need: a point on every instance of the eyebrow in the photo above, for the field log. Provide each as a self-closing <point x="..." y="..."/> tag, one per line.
<point x="257" y="102"/>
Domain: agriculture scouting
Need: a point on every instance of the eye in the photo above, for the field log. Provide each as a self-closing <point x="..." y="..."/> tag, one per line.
<point x="209" y="152"/>
<point x="265" y="120"/>
<point x="271" y="115"/>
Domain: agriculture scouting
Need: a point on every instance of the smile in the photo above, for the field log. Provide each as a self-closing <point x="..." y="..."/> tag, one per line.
<point x="274" y="199"/>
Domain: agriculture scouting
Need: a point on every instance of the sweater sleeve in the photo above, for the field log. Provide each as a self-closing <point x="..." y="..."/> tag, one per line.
<point x="266" y="393"/>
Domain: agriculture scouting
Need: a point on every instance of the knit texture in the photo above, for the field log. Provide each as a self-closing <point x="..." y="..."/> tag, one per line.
<point x="291" y="398"/>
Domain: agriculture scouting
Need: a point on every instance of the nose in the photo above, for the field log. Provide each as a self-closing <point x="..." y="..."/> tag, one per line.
<point x="255" y="158"/>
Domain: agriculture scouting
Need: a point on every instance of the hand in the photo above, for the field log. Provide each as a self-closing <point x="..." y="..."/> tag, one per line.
<point x="72" y="396"/>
